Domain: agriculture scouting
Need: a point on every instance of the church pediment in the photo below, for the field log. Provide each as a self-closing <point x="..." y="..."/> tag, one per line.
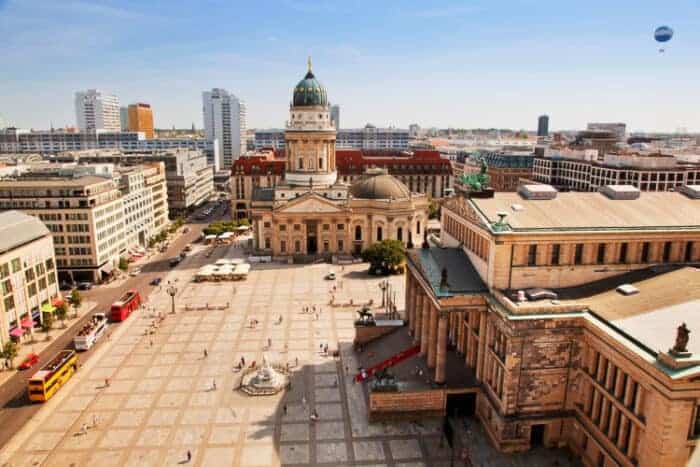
<point x="310" y="204"/>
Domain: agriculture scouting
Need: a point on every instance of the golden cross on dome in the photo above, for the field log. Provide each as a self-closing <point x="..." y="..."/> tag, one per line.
<point x="309" y="63"/>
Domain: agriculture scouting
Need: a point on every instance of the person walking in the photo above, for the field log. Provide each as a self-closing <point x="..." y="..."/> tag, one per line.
<point x="284" y="409"/>
<point x="206" y="354"/>
<point x="189" y="455"/>
<point x="269" y="343"/>
<point x="213" y="384"/>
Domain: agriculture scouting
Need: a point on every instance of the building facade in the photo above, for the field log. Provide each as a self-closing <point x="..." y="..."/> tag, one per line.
<point x="506" y="169"/>
<point x="145" y="199"/>
<point x="335" y="116"/>
<point x="606" y="374"/>
<point x="141" y="119"/>
<point x="367" y="138"/>
<point x="422" y="171"/>
<point x="97" y="110"/>
<point x="310" y="212"/>
<point x="28" y="280"/>
<point x="225" y="120"/>
<point x="587" y="171"/>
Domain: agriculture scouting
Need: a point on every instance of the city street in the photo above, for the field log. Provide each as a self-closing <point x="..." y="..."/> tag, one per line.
<point x="16" y="409"/>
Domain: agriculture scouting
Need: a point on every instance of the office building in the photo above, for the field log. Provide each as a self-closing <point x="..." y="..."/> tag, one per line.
<point x="543" y="125"/>
<point x="369" y="138"/>
<point x="225" y="121"/>
<point x="269" y="138"/>
<point x="124" y="118"/>
<point x="189" y="176"/>
<point x="97" y="110"/>
<point x="518" y="320"/>
<point x="141" y="119"/>
<point x="586" y="170"/>
<point x="618" y="129"/>
<point x="28" y="281"/>
<point x="335" y="116"/>
<point x="19" y="141"/>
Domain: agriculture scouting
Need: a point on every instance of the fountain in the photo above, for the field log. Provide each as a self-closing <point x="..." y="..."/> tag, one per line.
<point x="264" y="381"/>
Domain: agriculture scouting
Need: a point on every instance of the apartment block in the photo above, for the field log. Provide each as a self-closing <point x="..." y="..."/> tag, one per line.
<point x="28" y="279"/>
<point x="141" y="119"/>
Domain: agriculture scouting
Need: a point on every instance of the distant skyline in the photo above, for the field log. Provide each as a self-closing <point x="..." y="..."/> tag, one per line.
<point x="445" y="64"/>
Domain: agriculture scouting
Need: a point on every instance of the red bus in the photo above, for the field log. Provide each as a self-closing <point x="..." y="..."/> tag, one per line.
<point x="127" y="303"/>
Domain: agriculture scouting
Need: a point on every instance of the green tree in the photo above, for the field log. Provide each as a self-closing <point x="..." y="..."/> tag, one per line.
<point x="76" y="300"/>
<point x="123" y="263"/>
<point x="244" y="222"/>
<point x="9" y="352"/>
<point x="433" y="209"/>
<point x="62" y="313"/>
<point x="47" y="324"/>
<point x="384" y="256"/>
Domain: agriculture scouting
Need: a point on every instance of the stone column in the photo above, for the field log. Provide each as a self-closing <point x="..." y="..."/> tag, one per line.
<point x="441" y="354"/>
<point x="409" y="304"/>
<point x="432" y="337"/>
<point x="418" y="313"/>
<point x="425" y="322"/>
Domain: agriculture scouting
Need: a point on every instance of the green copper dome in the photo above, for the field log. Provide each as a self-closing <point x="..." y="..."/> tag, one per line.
<point x="309" y="91"/>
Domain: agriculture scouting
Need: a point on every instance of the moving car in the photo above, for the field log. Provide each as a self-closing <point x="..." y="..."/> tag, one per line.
<point x="31" y="360"/>
<point x="156" y="281"/>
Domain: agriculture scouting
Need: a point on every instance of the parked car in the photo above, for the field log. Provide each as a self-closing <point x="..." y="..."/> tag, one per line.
<point x="31" y="360"/>
<point x="84" y="285"/>
<point x="156" y="281"/>
<point x="66" y="286"/>
<point x="330" y="276"/>
<point x="175" y="261"/>
<point x="135" y="272"/>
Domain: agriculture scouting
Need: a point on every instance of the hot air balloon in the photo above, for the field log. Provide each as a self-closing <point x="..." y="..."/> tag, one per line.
<point x="663" y="34"/>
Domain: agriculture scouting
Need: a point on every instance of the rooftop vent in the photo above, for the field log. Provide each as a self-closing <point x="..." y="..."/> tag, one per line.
<point x="537" y="191"/>
<point x="691" y="191"/>
<point x="627" y="289"/>
<point x="620" y="191"/>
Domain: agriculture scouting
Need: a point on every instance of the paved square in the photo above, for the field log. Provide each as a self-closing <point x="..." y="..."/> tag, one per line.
<point x="162" y="400"/>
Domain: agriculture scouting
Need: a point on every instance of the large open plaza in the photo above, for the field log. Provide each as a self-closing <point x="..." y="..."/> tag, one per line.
<point x="165" y="397"/>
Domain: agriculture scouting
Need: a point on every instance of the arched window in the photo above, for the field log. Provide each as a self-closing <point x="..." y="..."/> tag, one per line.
<point x="379" y="233"/>
<point x="320" y="162"/>
<point x="399" y="234"/>
<point x="418" y="227"/>
<point x="358" y="232"/>
<point x="301" y="163"/>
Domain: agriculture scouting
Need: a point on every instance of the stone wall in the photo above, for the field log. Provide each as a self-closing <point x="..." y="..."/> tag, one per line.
<point x="406" y="405"/>
<point x="365" y="334"/>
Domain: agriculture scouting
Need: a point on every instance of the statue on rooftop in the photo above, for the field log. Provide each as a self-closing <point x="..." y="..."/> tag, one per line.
<point x="682" y="336"/>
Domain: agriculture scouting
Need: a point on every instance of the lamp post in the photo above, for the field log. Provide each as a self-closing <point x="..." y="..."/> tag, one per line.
<point x="172" y="290"/>
<point x="383" y="285"/>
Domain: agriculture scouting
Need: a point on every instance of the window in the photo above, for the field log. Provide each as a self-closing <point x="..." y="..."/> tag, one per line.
<point x="554" y="260"/>
<point x="16" y="265"/>
<point x="283" y="227"/>
<point x="326" y="227"/>
<point x="320" y="162"/>
<point x="600" y="257"/>
<point x="9" y="303"/>
<point x="341" y="226"/>
<point x="645" y="252"/>
<point x="340" y="245"/>
<point x="418" y="227"/>
<point x="358" y="233"/>
<point x="578" y="253"/>
<point x="39" y="268"/>
<point x="31" y="290"/>
<point x="667" y="252"/>
<point x="297" y="246"/>
<point x="696" y="424"/>
<point x="379" y="233"/>
<point x="300" y="163"/>
<point x="399" y="234"/>
<point x="622" y="258"/>
<point x="297" y="227"/>
<point x="266" y="225"/>
<point x="49" y="264"/>
<point x="29" y="274"/>
<point x="283" y="246"/>
<point x="326" y="246"/>
<point x="42" y="283"/>
<point x="4" y="270"/>
<point x="532" y="255"/>
<point x="688" y="252"/>
<point x="267" y="243"/>
<point x="52" y="277"/>
<point x="6" y="287"/>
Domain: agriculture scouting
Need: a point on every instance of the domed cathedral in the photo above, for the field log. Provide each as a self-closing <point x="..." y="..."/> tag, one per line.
<point x="311" y="213"/>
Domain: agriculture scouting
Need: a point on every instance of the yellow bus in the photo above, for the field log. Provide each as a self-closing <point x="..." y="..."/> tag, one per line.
<point x="52" y="376"/>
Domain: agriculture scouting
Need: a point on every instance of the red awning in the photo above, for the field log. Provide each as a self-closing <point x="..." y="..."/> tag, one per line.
<point x="27" y="323"/>
<point x="16" y="332"/>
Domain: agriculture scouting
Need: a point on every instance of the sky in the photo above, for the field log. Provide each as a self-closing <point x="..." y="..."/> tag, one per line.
<point x="461" y="64"/>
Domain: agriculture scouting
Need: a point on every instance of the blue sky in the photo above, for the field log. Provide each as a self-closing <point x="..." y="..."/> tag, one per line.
<point x="461" y="64"/>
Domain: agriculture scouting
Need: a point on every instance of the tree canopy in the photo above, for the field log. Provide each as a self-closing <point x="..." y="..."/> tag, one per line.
<point x="219" y="227"/>
<point x="384" y="256"/>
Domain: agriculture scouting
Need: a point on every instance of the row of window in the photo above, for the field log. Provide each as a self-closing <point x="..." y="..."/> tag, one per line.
<point x="474" y="242"/>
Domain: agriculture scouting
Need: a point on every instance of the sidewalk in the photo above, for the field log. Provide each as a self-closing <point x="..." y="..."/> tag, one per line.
<point x="26" y="346"/>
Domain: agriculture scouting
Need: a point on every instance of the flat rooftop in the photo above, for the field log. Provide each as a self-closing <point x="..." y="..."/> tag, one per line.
<point x="583" y="211"/>
<point x="52" y="181"/>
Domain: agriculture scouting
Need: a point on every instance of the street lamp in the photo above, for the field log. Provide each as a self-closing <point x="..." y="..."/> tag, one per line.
<point x="383" y="285"/>
<point x="172" y="290"/>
